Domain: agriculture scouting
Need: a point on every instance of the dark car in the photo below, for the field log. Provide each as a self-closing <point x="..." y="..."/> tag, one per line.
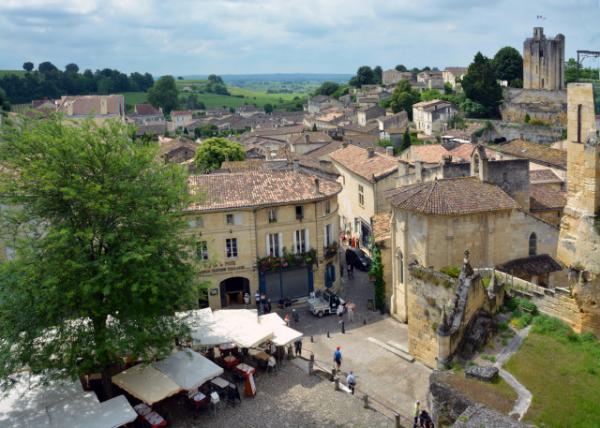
<point x="357" y="258"/>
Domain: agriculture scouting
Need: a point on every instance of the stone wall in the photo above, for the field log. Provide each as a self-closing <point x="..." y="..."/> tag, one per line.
<point x="548" y="106"/>
<point x="428" y="293"/>
<point x="579" y="242"/>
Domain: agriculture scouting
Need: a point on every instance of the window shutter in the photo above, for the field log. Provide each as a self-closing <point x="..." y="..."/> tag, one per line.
<point x="307" y="244"/>
<point x="295" y="243"/>
<point x="268" y="247"/>
<point x="280" y="238"/>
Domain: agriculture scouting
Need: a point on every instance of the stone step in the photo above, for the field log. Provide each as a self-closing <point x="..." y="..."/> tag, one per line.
<point x="396" y="351"/>
<point x="397" y="345"/>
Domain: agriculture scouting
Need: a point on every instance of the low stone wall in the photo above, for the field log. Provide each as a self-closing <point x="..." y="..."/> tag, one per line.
<point x="558" y="302"/>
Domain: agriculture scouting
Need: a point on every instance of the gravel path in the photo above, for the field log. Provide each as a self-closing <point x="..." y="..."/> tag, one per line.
<point x="289" y="398"/>
<point x="524" y="395"/>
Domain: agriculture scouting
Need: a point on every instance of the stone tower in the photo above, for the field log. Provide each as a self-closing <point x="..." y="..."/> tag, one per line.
<point x="579" y="241"/>
<point x="544" y="61"/>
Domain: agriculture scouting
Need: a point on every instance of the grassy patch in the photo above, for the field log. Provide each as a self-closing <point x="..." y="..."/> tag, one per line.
<point x="132" y="98"/>
<point x="498" y="394"/>
<point x="562" y="371"/>
<point x="452" y="271"/>
<point x="9" y="72"/>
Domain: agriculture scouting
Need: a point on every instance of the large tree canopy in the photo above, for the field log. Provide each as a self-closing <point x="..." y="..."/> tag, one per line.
<point x="164" y="94"/>
<point x="480" y="85"/>
<point x="364" y="76"/>
<point x="403" y="98"/>
<point x="327" y="88"/>
<point x="508" y="64"/>
<point x="100" y="263"/>
<point x="214" y="151"/>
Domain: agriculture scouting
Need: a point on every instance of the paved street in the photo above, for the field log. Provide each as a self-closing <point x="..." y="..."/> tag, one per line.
<point x="289" y="398"/>
<point x="380" y="373"/>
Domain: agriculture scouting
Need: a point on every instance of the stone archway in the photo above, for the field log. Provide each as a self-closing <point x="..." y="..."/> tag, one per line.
<point x="233" y="289"/>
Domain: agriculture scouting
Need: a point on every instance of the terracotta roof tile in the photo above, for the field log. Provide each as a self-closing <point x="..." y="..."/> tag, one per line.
<point x="534" y="152"/>
<point x="257" y="188"/>
<point x="545" y="198"/>
<point x="147" y="110"/>
<point x="454" y="196"/>
<point x="358" y="161"/>
<point x="381" y="226"/>
<point x="434" y="153"/>
<point x="538" y="176"/>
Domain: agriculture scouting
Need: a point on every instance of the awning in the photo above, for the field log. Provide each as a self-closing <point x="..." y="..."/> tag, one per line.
<point x="31" y="404"/>
<point x="282" y="334"/>
<point x="189" y="369"/>
<point x="239" y="326"/>
<point x="112" y="413"/>
<point x="146" y="383"/>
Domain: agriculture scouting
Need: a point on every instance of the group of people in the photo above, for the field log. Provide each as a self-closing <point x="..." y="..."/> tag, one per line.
<point x="263" y="305"/>
<point x="422" y="419"/>
<point x="351" y="378"/>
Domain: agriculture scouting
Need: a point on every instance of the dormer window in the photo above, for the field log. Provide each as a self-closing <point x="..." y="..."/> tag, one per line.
<point x="272" y="215"/>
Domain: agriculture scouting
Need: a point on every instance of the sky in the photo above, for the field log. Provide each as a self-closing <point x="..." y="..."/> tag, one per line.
<point x="184" y="37"/>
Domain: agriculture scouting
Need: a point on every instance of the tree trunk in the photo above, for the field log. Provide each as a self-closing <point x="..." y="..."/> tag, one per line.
<point x="107" y="384"/>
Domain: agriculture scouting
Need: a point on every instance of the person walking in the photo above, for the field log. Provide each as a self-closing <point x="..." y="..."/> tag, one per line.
<point x="416" y="413"/>
<point x="337" y="358"/>
<point x="350" y="310"/>
<point x="298" y="346"/>
<point x="351" y="381"/>
<point x="246" y="299"/>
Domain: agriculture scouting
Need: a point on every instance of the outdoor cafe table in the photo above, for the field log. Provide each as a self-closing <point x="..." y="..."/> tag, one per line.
<point x="227" y="348"/>
<point x="220" y="382"/>
<point x="146" y="413"/>
<point x="230" y="361"/>
<point x="248" y="373"/>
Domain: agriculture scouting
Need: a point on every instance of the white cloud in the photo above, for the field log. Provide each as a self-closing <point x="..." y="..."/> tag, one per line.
<point x="244" y="36"/>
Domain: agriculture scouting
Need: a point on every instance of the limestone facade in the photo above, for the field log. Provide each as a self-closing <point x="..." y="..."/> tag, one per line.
<point x="543" y="61"/>
<point x="579" y="243"/>
<point x="231" y="240"/>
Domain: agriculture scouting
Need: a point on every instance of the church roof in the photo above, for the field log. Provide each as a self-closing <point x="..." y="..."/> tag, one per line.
<point x="453" y="196"/>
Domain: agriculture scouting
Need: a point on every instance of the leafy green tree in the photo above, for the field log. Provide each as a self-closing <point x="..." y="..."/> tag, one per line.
<point x="403" y="98"/>
<point x="4" y="104"/>
<point x="46" y="67"/>
<point x="268" y="108"/>
<point x="72" y="68"/>
<point x="508" y="64"/>
<point x="327" y="88"/>
<point x="401" y="67"/>
<point x="100" y="265"/>
<point x="213" y="78"/>
<point x="376" y="271"/>
<point x="164" y="94"/>
<point x="430" y="94"/>
<point x="448" y="89"/>
<point x="214" y="151"/>
<point x="378" y="72"/>
<point x="406" y="141"/>
<point x="341" y="91"/>
<point x="481" y="86"/>
<point x="571" y="68"/>
<point x="28" y="66"/>
<point x="472" y="108"/>
<point x="364" y="76"/>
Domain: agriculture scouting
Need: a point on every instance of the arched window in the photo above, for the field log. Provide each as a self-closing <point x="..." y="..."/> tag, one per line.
<point x="476" y="164"/>
<point x="532" y="244"/>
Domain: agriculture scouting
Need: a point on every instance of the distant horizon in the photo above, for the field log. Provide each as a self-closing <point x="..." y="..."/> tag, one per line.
<point x="275" y="37"/>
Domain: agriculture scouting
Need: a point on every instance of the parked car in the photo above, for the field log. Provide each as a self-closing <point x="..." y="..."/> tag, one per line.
<point x="325" y="303"/>
<point x="357" y="258"/>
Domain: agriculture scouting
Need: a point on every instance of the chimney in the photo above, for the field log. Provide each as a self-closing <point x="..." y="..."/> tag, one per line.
<point x="389" y="150"/>
<point x="370" y="152"/>
<point x="317" y="186"/>
<point x="306" y="138"/>
<point x="446" y="159"/>
<point x="418" y="171"/>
